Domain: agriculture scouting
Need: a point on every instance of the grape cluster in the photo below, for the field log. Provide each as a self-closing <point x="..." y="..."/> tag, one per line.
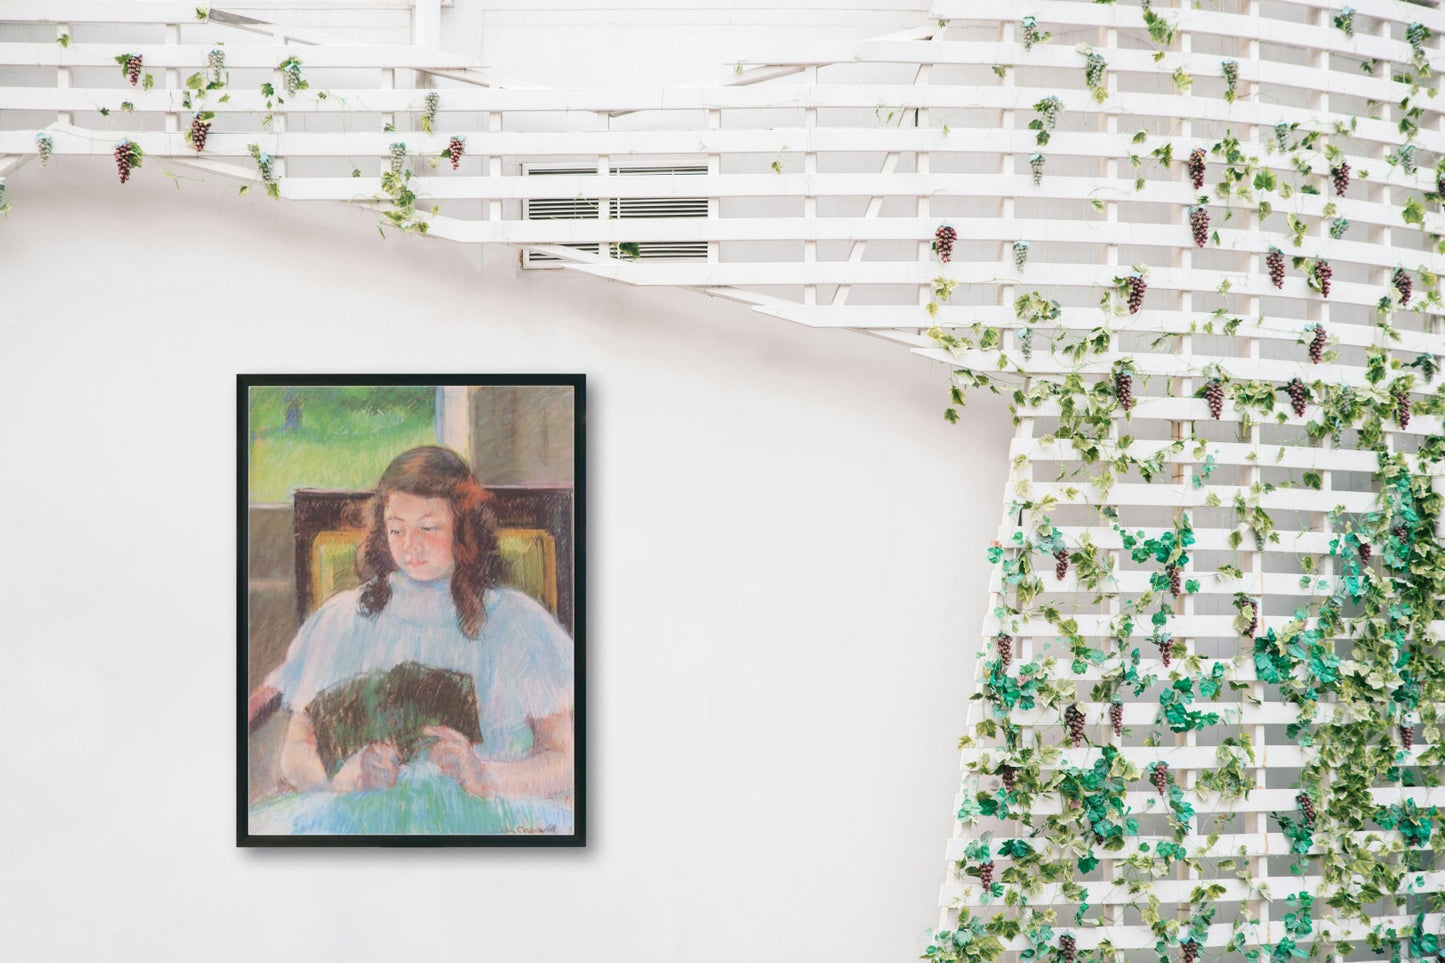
<point x="1231" y="76"/>
<point x="1137" y="287"/>
<point x="1400" y="532"/>
<point x="1094" y="70"/>
<point x="1009" y="776"/>
<point x="1159" y="776"/>
<point x="291" y="76"/>
<point x="398" y="157"/>
<point x="1199" y="224"/>
<point x="1049" y="109"/>
<point x="1036" y="164"/>
<point x="1214" y="394"/>
<point x="44" y="146"/>
<point x="1402" y="409"/>
<point x="1176" y="585"/>
<point x="133" y="65"/>
<point x="1323" y="273"/>
<point x="1188" y="951"/>
<point x="1403" y="284"/>
<point x="1298" y="395"/>
<point x="1166" y="651"/>
<point x="1274" y="260"/>
<point x="1116" y="718"/>
<point x="985" y="873"/>
<point x="1026" y="343"/>
<point x="123" y="159"/>
<point x="455" y="149"/>
<point x="1406" y="158"/>
<point x="1067" y="948"/>
<point x="1061" y="564"/>
<point x="1407" y="737"/>
<point x="1345" y="20"/>
<point x="1074" y="719"/>
<point x="1338" y="227"/>
<point x="1196" y="167"/>
<point x="429" y="112"/>
<point x="1306" y="806"/>
<point x="943" y="239"/>
<point x="1317" y="345"/>
<point x="1440" y="183"/>
<point x="1031" y="32"/>
<point x="1340" y="174"/>
<point x="1253" y="617"/>
<point x="1005" y="645"/>
<point x="199" y="130"/>
<point x="1021" y="254"/>
<point x="216" y="60"/>
<point x="1365" y="553"/>
<point x="1124" y="389"/>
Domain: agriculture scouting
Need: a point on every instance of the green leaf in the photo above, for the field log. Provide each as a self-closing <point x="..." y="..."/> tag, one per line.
<point x="1413" y="212"/>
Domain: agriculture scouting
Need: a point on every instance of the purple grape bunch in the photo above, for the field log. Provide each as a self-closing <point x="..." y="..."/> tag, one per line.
<point x="1407" y="737"/>
<point x="1306" y="806"/>
<point x="1340" y="174"/>
<point x="1299" y="395"/>
<point x="1166" y="651"/>
<point x="199" y="129"/>
<point x="1061" y="564"/>
<point x="1199" y="224"/>
<point x="1317" y="345"/>
<point x="985" y="873"/>
<point x="124" y="159"/>
<point x="1323" y="272"/>
<point x="1004" y="643"/>
<point x="1068" y="947"/>
<point x="943" y="239"/>
<point x="1116" y="718"/>
<point x="1274" y="260"/>
<point x="455" y="148"/>
<point x="1403" y="284"/>
<point x="1074" y="720"/>
<point x="1196" y="167"/>
<point x="1124" y="388"/>
<point x="1214" y="394"/>
<point x="1159" y="776"/>
<point x="1137" y="286"/>
<point x="1402" y="408"/>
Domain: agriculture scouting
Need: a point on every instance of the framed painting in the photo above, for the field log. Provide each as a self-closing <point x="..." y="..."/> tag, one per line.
<point x="411" y="610"/>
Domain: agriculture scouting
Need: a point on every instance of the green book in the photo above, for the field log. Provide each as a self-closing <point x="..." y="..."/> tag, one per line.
<point x="394" y="707"/>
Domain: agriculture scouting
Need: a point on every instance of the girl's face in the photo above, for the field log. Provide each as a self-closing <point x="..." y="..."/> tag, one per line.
<point x="419" y="534"/>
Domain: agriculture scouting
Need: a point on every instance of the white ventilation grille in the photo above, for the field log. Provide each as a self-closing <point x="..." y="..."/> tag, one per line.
<point x="618" y="209"/>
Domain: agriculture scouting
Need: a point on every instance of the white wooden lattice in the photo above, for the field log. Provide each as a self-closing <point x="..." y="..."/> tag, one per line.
<point x="828" y="170"/>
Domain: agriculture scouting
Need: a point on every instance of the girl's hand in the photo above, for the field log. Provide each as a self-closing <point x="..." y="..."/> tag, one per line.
<point x="373" y="766"/>
<point x="453" y="755"/>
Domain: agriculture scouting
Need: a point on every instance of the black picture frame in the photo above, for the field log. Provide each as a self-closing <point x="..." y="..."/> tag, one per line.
<point x="550" y="511"/>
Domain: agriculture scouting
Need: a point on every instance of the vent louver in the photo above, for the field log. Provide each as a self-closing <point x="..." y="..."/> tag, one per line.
<point x="621" y="209"/>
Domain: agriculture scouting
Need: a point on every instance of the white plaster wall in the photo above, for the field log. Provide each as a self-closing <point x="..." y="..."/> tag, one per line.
<point x="786" y="582"/>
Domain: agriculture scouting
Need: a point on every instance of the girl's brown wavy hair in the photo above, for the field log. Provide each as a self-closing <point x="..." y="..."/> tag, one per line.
<point x="436" y="472"/>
